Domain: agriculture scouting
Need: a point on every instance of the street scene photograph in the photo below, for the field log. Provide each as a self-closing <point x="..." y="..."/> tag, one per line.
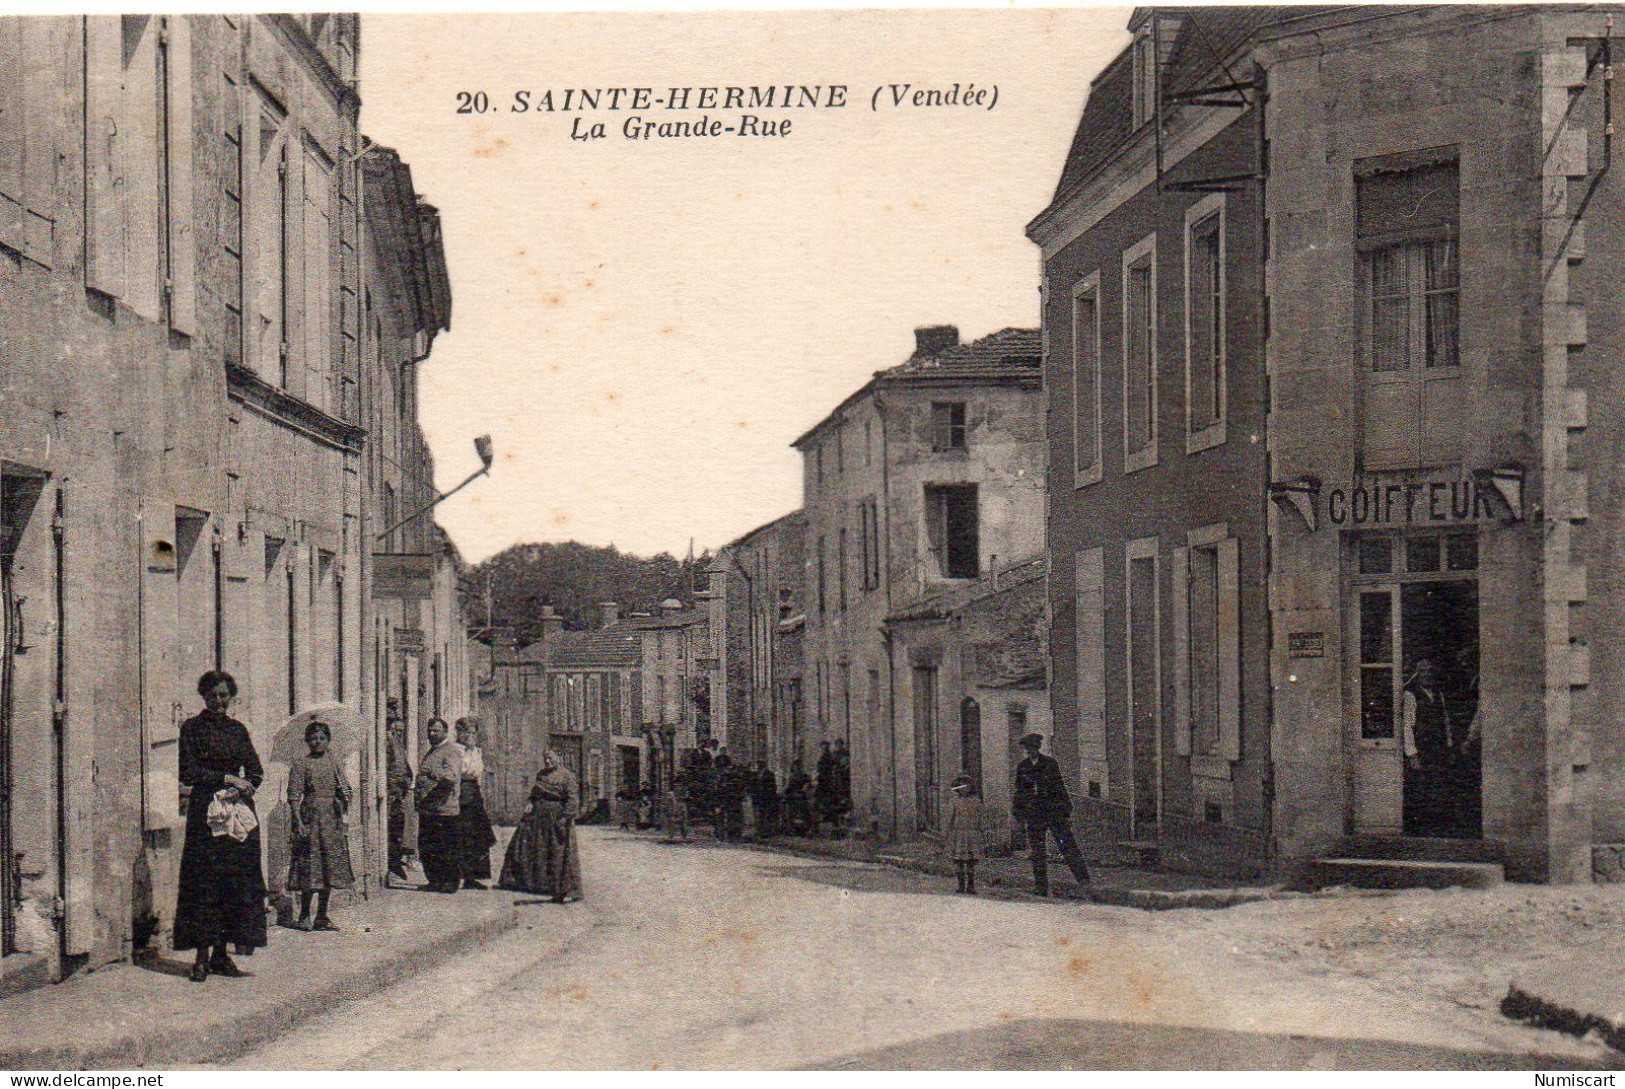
<point x="938" y="539"/>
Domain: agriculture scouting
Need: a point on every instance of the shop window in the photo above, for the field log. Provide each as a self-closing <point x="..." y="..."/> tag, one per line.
<point x="1461" y="552"/>
<point x="1140" y="356"/>
<point x="1407" y="216"/>
<point x="1376" y="555"/>
<point x="1421" y="554"/>
<point x="952" y="527"/>
<point x="1086" y="380"/>
<point x="1205" y="324"/>
<point x="947" y="426"/>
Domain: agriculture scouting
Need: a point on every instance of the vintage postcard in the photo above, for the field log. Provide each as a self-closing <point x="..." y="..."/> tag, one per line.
<point x="1039" y="538"/>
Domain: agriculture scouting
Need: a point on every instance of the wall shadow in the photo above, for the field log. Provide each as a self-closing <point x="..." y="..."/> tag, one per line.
<point x="1108" y="1045"/>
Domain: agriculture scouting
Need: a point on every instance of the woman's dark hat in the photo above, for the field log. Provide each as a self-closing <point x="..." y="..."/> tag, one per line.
<point x="1032" y="741"/>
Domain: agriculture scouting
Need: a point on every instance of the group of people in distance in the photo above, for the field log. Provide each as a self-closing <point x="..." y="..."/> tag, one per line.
<point x="709" y="787"/>
<point x="221" y="899"/>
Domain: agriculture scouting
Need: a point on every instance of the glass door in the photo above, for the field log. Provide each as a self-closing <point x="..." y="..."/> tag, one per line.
<point x="1377" y="685"/>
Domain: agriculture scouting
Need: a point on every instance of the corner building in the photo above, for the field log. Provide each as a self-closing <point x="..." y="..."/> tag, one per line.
<point x="1382" y="408"/>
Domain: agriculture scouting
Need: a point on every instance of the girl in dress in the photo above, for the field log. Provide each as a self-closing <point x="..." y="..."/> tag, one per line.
<point x="319" y="797"/>
<point x="964" y="831"/>
<point x="475" y="836"/>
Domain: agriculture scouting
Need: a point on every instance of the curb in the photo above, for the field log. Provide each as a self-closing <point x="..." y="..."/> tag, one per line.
<point x="1532" y="1009"/>
<point x="236" y="1035"/>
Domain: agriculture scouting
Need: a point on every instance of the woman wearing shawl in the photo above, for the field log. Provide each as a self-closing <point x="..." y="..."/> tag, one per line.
<point x="475" y="837"/>
<point x="221" y="899"/>
<point x="542" y="856"/>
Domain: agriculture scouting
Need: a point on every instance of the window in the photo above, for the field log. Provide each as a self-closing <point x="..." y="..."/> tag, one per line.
<point x="1407" y="212"/>
<point x="868" y="441"/>
<point x="231" y="226"/>
<point x="870" y="519"/>
<point x="840" y="452"/>
<point x="1140" y="356"/>
<point x="1086" y="380"/>
<point x="947" y="426"/>
<point x="823" y="605"/>
<point x="1204" y="324"/>
<point x="952" y="529"/>
<point x="1145" y="79"/>
<point x="840" y="574"/>
<point x="1207" y="637"/>
<point x="317" y="275"/>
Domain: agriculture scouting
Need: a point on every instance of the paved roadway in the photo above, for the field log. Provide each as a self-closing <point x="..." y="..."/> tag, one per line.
<point x="703" y="956"/>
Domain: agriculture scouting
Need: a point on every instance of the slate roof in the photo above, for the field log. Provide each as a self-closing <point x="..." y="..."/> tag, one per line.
<point x="1011" y="354"/>
<point x="943" y="603"/>
<point x="1204" y="36"/>
<point x="605" y="648"/>
<point x="1008" y="352"/>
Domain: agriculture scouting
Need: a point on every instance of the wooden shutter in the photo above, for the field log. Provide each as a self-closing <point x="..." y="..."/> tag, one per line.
<point x="1181" y="577"/>
<point x="182" y="219"/>
<point x="104" y="223"/>
<point x="13" y="83"/>
<point x="1090" y="637"/>
<point x="1229" y="609"/>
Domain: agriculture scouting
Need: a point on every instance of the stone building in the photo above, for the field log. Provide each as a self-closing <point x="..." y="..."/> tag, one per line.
<point x="184" y="485"/>
<point x="1345" y="264"/>
<point x="682" y="682"/>
<point x="756" y="588"/>
<point x="576" y="692"/>
<point x="975" y="657"/>
<point x="927" y="477"/>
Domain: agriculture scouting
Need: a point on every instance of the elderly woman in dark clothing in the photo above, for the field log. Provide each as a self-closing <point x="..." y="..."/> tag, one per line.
<point x="221" y="900"/>
<point x="542" y="856"/>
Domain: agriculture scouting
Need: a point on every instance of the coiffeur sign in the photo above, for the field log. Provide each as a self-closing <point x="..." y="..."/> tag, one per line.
<point x="1378" y="502"/>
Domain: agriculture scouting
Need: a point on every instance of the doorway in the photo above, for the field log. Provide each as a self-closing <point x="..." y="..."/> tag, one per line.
<point x="925" y="745"/>
<point x="1416" y="732"/>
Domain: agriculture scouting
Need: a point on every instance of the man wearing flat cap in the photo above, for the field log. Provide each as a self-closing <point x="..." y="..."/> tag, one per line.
<point x="1044" y="806"/>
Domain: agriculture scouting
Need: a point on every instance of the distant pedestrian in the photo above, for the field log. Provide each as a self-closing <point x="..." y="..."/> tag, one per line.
<point x="729" y="794"/>
<point x="542" y="857"/>
<point x="398" y="789"/>
<point x="964" y="831"/>
<point x="475" y="836"/>
<point x="826" y="790"/>
<point x="1044" y="806"/>
<point x="798" y="802"/>
<point x="764" y="799"/>
<point x="221" y="898"/>
<point x="319" y="799"/>
<point x="439" y="784"/>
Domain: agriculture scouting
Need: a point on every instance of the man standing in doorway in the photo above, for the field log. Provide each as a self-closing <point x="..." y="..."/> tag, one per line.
<point x="1044" y="806"/>
<point x="398" y="784"/>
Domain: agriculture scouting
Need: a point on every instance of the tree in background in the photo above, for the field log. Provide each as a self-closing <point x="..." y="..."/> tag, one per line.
<point x="574" y="579"/>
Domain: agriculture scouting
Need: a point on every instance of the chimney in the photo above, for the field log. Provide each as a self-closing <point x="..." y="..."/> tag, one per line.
<point x="552" y="622"/>
<point x="609" y="614"/>
<point x="932" y="340"/>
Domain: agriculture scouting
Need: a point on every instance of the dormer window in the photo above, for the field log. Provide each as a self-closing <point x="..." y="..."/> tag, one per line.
<point x="1145" y="79"/>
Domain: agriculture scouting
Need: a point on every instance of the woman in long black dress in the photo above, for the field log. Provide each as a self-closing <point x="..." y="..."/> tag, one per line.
<point x="221" y="901"/>
<point x="542" y="856"/>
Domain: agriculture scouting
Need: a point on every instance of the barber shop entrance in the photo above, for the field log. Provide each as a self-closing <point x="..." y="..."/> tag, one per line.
<point x="1411" y="697"/>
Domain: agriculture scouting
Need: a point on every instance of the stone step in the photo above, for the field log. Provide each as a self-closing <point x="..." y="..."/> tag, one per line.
<point x="1390" y="873"/>
<point x="1419" y="849"/>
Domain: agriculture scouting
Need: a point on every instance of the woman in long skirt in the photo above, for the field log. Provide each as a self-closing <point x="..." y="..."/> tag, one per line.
<point x="475" y="837"/>
<point x="221" y="898"/>
<point x="542" y="856"/>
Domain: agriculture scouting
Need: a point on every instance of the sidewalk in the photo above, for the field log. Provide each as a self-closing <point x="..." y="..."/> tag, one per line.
<point x="126" y="1016"/>
<point x="1117" y="885"/>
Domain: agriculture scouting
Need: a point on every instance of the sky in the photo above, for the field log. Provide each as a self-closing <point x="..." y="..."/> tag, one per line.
<point x="643" y="327"/>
